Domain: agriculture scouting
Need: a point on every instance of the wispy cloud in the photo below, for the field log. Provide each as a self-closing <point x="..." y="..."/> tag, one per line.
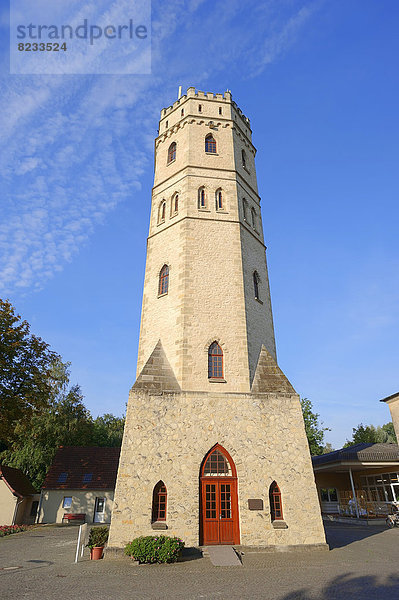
<point x="74" y="147"/>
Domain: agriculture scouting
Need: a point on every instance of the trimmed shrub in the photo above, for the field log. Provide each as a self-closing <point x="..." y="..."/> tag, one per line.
<point x="98" y="537"/>
<point x="155" y="549"/>
<point x="9" y="529"/>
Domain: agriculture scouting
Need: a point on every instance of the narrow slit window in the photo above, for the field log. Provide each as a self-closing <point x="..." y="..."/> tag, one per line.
<point x="163" y="287"/>
<point x="220" y="110"/>
<point x="253" y="217"/>
<point x="199" y="107"/>
<point x="256" y="285"/>
<point x="162" y="212"/>
<point x="219" y="200"/>
<point x="159" y="501"/>
<point x="245" y="209"/>
<point x="244" y="159"/>
<point x="176" y="204"/>
<point x="182" y="112"/>
<point x="215" y="361"/>
<point x="201" y="198"/>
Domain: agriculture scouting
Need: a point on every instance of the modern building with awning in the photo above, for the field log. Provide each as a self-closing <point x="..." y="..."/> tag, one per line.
<point x="360" y="481"/>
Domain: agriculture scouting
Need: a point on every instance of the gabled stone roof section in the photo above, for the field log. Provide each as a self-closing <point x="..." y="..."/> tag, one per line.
<point x="269" y="378"/>
<point x="157" y="375"/>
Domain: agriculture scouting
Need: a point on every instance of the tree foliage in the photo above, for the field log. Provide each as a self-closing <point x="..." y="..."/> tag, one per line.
<point x="313" y="427"/>
<point x="369" y="434"/>
<point x="39" y="409"/>
<point x="26" y="372"/>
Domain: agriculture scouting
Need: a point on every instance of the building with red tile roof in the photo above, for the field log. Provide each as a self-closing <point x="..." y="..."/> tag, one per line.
<point x="18" y="498"/>
<point x="80" y="481"/>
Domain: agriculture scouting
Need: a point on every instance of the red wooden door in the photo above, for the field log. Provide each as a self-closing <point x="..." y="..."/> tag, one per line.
<point x="219" y="511"/>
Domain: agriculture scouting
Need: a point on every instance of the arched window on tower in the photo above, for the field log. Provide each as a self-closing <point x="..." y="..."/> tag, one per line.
<point x="163" y="286"/>
<point x="162" y="212"/>
<point x="201" y="198"/>
<point x="172" y="152"/>
<point x="215" y="361"/>
<point x="219" y="199"/>
<point x="253" y="217"/>
<point x="276" y="506"/>
<point x="159" y="498"/>
<point x="244" y="159"/>
<point x="210" y="144"/>
<point x="245" y="209"/>
<point x="175" y="204"/>
<point x="256" y="284"/>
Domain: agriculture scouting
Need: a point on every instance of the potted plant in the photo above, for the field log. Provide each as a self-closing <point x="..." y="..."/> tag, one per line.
<point x="98" y="537"/>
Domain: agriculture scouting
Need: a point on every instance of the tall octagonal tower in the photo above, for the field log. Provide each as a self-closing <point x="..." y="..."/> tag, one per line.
<point x="214" y="448"/>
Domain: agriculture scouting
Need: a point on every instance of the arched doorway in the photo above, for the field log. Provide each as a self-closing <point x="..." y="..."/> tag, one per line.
<point x="219" y="502"/>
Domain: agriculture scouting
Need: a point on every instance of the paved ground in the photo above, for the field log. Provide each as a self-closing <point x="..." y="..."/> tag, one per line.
<point x="362" y="565"/>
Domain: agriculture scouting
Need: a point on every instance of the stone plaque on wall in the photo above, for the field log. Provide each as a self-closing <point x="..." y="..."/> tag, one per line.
<point x="255" y="504"/>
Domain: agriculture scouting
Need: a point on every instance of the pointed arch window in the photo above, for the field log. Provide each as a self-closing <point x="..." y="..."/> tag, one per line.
<point x="215" y="361"/>
<point x="159" y="501"/>
<point x="201" y="198"/>
<point x="256" y="280"/>
<point x="244" y="159"/>
<point x="162" y="212"/>
<point x="253" y="217"/>
<point x="219" y="199"/>
<point x="276" y="505"/>
<point x="210" y="144"/>
<point x="163" y="286"/>
<point x="172" y="152"/>
<point x="216" y="465"/>
<point x="245" y="209"/>
<point x="175" y="204"/>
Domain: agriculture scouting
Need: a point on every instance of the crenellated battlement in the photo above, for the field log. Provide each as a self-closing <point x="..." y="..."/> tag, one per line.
<point x="192" y="93"/>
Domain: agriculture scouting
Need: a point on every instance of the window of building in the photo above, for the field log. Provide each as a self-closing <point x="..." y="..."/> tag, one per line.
<point x="87" y="477"/>
<point x="329" y="495"/>
<point x="199" y="107"/>
<point x="245" y="209"/>
<point x="201" y="198"/>
<point x="182" y="112"/>
<point x="210" y="144"/>
<point x="166" y="125"/>
<point x="175" y="204"/>
<point x="244" y="159"/>
<point x="67" y="502"/>
<point x="276" y="507"/>
<point x="217" y="465"/>
<point x="219" y="200"/>
<point x="162" y="212"/>
<point x="215" y="361"/>
<point x="62" y="477"/>
<point x="159" y="499"/>
<point x="172" y="152"/>
<point x="220" y="110"/>
<point x="253" y="217"/>
<point x="256" y="280"/>
<point x="382" y="487"/>
<point x="163" y="286"/>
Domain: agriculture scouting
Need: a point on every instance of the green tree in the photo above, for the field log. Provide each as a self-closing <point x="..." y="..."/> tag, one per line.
<point x="66" y="422"/>
<point x="26" y="372"/>
<point x="369" y="434"/>
<point x="314" y="429"/>
<point x="108" y="430"/>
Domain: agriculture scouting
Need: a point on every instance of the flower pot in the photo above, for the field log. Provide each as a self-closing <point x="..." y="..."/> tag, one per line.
<point x="96" y="553"/>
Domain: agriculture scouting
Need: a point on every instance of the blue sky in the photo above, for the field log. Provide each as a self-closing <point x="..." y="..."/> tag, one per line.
<point x="319" y="81"/>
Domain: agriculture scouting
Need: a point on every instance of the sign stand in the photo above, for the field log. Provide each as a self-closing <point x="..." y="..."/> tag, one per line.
<point x="81" y="541"/>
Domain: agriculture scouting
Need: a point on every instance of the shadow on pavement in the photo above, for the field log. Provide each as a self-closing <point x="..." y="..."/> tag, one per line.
<point x="339" y="535"/>
<point x="346" y="586"/>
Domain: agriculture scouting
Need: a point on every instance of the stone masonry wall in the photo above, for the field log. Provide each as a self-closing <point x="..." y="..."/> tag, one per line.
<point x="166" y="438"/>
